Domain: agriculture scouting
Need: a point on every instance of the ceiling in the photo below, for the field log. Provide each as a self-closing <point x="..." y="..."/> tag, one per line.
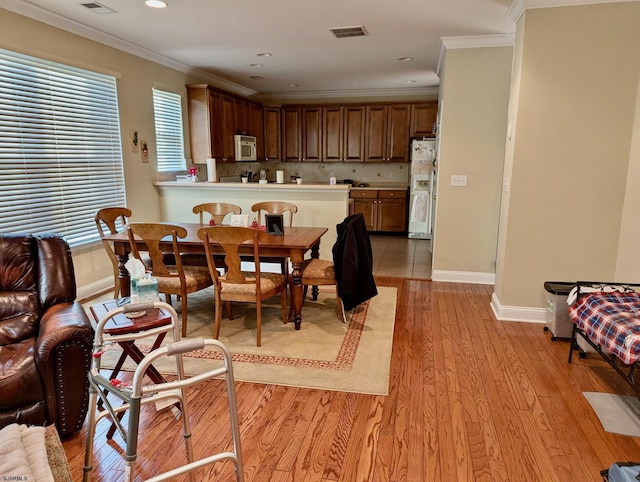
<point x="220" y="39"/>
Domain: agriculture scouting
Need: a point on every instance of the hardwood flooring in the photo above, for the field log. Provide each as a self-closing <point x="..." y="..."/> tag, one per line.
<point x="471" y="399"/>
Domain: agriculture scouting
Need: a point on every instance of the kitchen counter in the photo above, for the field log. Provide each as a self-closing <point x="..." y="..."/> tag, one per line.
<point x="383" y="186"/>
<point x="319" y="205"/>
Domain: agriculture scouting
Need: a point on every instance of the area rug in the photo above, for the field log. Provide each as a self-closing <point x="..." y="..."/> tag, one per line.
<point x="618" y="413"/>
<point x="324" y="354"/>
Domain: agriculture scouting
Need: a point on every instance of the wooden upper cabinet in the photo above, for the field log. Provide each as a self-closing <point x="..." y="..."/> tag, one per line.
<point x="272" y="138"/>
<point x="291" y="134"/>
<point x="203" y="107"/>
<point x="311" y="134"/>
<point x="423" y="119"/>
<point x="343" y="133"/>
<point x="302" y="133"/>
<point x="241" y="117"/>
<point x="227" y="128"/>
<point x="398" y="133"/>
<point x="376" y="133"/>
<point x="387" y="133"/>
<point x="255" y="127"/>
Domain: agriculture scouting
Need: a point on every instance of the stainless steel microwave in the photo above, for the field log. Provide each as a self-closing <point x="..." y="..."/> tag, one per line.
<point x="245" y="148"/>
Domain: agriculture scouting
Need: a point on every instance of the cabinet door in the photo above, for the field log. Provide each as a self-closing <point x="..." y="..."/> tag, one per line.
<point x="367" y="207"/>
<point x="198" y="115"/>
<point x="227" y="128"/>
<point x="398" y="133"/>
<point x="353" y="143"/>
<point x="376" y="133"/>
<point x="332" y="122"/>
<point x="392" y="211"/>
<point x="423" y="118"/>
<point x="241" y="117"/>
<point x="271" y="123"/>
<point x="311" y="133"/>
<point x="214" y="124"/>
<point x="255" y="128"/>
<point x="291" y="130"/>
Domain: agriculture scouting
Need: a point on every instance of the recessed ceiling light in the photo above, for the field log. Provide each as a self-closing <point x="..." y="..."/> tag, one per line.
<point x="410" y="81"/>
<point x="155" y="3"/>
<point x="294" y="85"/>
<point x="256" y="77"/>
<point x="255" y="65"/>
<point x="405" y="59"/>
<point x="264" y="54"/>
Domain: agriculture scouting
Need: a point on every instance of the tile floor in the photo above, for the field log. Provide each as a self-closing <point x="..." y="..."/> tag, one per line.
<point x="401" y="257"/>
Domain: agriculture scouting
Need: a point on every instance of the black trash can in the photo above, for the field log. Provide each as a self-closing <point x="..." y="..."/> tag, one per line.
<point x="558" y="321"/>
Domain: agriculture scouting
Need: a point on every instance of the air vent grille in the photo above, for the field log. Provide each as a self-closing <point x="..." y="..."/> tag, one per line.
<point x="343" y="32"/>
<point x="98" y="8"/>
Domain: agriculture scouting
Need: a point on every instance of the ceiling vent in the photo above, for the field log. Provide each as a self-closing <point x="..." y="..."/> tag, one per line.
<point x="343" y="32"/>
<point x="98" y="8"/>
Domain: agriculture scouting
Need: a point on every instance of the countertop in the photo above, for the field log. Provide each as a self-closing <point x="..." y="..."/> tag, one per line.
<point x="275" y="186"/>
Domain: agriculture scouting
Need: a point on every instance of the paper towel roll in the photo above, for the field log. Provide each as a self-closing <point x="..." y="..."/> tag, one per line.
<point x="211" y="170"/>
<point x="279" y="177"/>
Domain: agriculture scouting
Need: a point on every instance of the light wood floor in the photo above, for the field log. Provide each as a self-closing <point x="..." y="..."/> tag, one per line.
<point x="471" y="399"/>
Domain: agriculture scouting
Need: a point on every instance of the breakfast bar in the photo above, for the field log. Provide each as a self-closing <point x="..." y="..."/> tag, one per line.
<point x="319" y="205"/>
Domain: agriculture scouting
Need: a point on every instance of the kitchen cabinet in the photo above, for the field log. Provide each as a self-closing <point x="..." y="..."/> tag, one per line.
<point x="302" y="133"/>
<point x="423" y="119"/>
<point x="384" y="210"/>
<point x="272" y="139"/>
<point x="387" y="133"/>
<point x="214" y="117"/>
<point x="343" y="133"/>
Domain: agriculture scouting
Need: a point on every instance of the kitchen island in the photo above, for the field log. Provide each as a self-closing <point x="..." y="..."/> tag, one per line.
<point x="319" y="205"/>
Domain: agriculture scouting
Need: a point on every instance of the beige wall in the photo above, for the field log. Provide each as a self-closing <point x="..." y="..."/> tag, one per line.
<point x="573" y="110"/>
<point x="474" y="94"/>
<point x="136" y="77"/>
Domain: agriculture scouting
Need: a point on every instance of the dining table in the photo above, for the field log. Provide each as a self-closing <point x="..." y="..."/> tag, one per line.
<point x="294" y="243"/>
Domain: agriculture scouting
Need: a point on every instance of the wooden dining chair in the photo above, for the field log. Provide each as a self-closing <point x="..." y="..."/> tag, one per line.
<point x="276" y="207"/>
<point x="320" y="272"/>
<point x="174" y="279"/>
<point x="217" y="211"/>
<point x="236" y="285"/>
<point x="108" y="220"/>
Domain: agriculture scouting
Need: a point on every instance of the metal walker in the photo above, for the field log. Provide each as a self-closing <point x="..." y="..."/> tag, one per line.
<point x="137" y="394"/>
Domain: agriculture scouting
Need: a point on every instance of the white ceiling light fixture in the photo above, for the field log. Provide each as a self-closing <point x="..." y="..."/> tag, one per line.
<point x="255" y="65"/>
<point x="405" y="59"/>
<point x="155" y="3"/>
<point x="264" y="54"/>
<point x="256" y="77"/>
<point x="410" y="81"/>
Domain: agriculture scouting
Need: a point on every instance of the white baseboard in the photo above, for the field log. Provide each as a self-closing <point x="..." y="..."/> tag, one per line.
<point x="96" y="288"/>
<point x="517" y="313"/>
<point x="464" y="277"/>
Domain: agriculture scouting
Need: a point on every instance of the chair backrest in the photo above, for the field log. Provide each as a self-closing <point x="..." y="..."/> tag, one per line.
<point x="275" y="207"/>
<point x="218" y="211"/>
<point x="230" y="238"/>
<point x="152" y="234"/>
<point x="107" y="218"/>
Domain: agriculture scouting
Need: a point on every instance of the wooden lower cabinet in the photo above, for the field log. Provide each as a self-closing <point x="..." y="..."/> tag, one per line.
<point x="384" y="210"/>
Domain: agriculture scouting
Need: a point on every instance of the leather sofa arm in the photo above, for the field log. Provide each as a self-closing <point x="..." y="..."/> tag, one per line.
<point x="63" y="357"/>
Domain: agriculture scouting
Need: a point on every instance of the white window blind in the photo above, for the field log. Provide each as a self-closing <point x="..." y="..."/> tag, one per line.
<point x="60" y="151"/>
<point x="167" y="112"/>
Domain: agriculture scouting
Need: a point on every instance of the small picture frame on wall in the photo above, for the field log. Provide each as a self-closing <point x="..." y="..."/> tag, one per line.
<point x="275" y="224"/>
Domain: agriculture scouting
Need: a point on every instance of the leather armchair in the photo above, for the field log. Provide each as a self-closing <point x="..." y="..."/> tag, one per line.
<point x="46" y="337"/>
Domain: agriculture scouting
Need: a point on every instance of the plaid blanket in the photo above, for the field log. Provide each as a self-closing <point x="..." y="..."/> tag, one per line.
<point x="611" y="320"/>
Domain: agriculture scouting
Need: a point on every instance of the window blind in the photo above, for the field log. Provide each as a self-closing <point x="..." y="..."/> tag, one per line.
<point x="60" y="148"/>
<point x="167" y="112"/>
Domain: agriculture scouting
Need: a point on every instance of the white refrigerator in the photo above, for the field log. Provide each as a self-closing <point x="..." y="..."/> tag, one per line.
<point x="422" y="188"/>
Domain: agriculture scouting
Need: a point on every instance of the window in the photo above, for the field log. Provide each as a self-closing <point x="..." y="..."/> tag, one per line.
<point x="60" y="152"/>
<point x="167" y="113"/>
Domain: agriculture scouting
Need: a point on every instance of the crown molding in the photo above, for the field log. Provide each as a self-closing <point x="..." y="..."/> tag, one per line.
<point x="419" y="93"/>
<point x="518" y="7"/>
<point x="472" y="41"/>
<point x="55" y="20"/>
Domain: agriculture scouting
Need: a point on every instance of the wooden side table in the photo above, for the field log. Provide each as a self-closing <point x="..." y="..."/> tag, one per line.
<point x="120" y="324"/>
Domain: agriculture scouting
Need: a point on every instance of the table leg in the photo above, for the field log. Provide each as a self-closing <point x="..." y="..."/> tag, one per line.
<point x="296" y="292"/>
<point x="123" y="275"/>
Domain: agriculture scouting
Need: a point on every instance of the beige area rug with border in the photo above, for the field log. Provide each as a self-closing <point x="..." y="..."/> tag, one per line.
<point x="324" y="354"/>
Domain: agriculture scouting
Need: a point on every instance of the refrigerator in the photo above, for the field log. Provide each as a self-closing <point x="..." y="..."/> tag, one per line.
<point x="422" y="188"/>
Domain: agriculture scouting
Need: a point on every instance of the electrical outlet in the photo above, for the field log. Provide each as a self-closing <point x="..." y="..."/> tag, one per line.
<point x="459" y="180"/>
